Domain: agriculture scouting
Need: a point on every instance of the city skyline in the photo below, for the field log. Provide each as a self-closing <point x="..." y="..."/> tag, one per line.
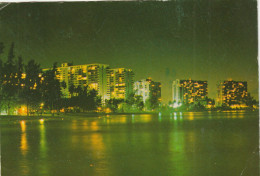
<point x="112" y="88"/>
<point x="163" y="40"/>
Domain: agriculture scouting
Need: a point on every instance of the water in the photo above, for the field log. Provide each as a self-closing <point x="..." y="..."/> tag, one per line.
<point x="180" y="144"/>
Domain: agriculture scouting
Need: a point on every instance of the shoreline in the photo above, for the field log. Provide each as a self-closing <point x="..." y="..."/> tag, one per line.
<point x="98" y="114"/>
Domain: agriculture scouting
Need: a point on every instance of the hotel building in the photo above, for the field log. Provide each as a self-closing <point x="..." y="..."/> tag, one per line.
<point x="188" y="91"/>
<point x="92" y="76"/>
<point x="232" y="93"/>
<point x="119" y="82"/>
<point x="148" y="88"/>
<point x="109" y="83"/>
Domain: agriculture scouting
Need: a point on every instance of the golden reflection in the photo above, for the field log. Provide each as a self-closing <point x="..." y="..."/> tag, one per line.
<point x="238" y="115"/>
<point x="145" y="118"/>
<point x="74" y="125"/>
<point x="191" y="116"/>
<point x="23" y="125"/>
<point x="41" y="121"/>
<point x="121" y="119"/>
<point x="229" y="115"/>
<point x="96" y="140"/>
<point x="42" y="139"/>
<point x="94" y="126"/>
<point x="24" y="144"/>
<point x="85" y="123"/>
<point x="24" y="166"/>
<point x="43" y="147"/>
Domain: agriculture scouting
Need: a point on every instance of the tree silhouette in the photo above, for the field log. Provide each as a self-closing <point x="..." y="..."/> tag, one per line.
<point x="31" y="91"/>
<point x="9" y="81"/>
<point x="51" y="89"/>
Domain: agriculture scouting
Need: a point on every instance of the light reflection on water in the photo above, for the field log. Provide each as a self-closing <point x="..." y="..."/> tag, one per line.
<point x="24" y="145"/>
<point x="136" y="144"/>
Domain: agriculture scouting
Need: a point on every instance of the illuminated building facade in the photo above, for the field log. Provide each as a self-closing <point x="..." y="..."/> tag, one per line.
<point x="120" y="82"/>
<point x="232" y="93"/>
<point x="148" y="88"/>
<point x="92" y="76"/>
<point x="188" y="91"/>
<point x="176" y="93"/>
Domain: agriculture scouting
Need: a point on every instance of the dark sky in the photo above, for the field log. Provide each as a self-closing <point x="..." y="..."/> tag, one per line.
<point x="202" y="40"/>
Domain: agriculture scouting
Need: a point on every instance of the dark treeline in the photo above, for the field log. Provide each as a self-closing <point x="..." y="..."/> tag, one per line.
<point x="25" y="85"/>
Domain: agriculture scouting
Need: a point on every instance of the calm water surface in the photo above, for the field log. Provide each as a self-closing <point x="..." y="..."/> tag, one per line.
<point x="178" y="144"/>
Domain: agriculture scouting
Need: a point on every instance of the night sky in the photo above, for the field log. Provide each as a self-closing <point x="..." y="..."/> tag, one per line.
<point x="202" y="40"/>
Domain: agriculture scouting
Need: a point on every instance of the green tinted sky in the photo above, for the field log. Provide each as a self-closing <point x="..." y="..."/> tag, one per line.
<point x="205" y="40"/>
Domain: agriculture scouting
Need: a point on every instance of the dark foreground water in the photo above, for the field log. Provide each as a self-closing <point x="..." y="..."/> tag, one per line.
<point x="181" y="144"/>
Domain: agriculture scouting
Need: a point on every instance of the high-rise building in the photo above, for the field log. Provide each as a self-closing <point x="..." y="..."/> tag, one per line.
<point x="176" y="93"/>
<point x="142" y="88"/>
<point x="188" y="91"/>
<point x="232" y="93"/>
<point x="92" y="76"/>
<point x="148" y="88"/>
<point x="120" y="82"/>
<point x="97" y="79"/>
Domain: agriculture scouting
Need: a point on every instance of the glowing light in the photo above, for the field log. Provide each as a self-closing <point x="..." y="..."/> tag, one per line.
<point x="43" y="147"/>
<point x="175" y="116"/>
<point x="41" y="121"/>
<point x="160" y="116"/>
<point x="74" y="125"/>
<point x="108" y="110"/>
<point x="191" y="116"/>
<point x="133" y="118"/>
<point x="23" y="145"/>
<point x="22" y="110"/>
<point x="94" y="126"/>
<point x="181" y="115"/>
<point x="23" y="126"/>
<point x="3" y="113"/>
<point x="176" y="105"/>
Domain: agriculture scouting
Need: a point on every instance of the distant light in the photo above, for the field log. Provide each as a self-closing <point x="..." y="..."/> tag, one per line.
<point x="176" y="105"/>
<point x="41" y="121"/>
<point x="181" y="115"/>
<point x="3" y="113"/>
<point x="108" y="110"/>
<point x="175" y="116"/>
